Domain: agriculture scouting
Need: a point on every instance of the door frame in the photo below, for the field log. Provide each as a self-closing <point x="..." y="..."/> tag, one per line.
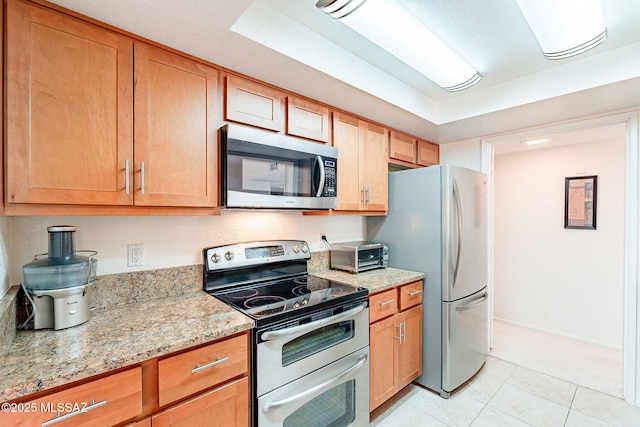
<point x="630" y="349"/>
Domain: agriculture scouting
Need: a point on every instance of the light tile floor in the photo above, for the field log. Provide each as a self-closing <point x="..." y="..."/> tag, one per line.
<point x="512" y="393"/>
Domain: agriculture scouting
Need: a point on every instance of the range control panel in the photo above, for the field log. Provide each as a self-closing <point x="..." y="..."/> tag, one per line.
<point x="254" y="253"/>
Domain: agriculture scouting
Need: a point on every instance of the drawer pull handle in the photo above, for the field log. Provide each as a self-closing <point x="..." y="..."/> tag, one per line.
<point x="218" y="361"/>
<point x="387" y="302"/>
<point x="416" y="292"/>
<point x="59" y="417"/>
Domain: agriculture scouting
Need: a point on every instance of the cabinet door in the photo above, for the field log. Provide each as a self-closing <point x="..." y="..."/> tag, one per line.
<point x="69" y="88"/>
<point x="308" y="119"/>
<point x="175" y="130"/>
<point x="402" y="147"/>
<point x="428" y="153"/>
<point x="374" y="154"/>
<point x="254" y="104"/>
<point x="409" y="356"/>
<point x="222" y="407"/>
<point x="346" y="137"/>
<point x="382" y="366"/>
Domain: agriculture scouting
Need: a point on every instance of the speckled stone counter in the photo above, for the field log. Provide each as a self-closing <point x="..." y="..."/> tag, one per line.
<point x="374" y="280"/>
<point x="113" y="338"/>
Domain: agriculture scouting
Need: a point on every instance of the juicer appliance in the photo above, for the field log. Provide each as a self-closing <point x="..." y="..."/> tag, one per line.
<point x="56" y="283"/>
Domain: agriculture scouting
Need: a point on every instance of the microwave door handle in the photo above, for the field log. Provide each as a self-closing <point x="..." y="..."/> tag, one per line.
<point x="320" y="185"/>
<point x="308" y="327"/>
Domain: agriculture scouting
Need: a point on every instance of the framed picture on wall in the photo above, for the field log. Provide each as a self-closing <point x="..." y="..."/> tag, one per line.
<point x="580" y="202"/>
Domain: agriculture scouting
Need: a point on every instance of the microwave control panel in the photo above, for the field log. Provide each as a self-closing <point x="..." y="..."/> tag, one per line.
<point x="329" y="189"/>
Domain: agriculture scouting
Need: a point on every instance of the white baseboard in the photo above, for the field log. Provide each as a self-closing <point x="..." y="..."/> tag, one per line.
<point x="560" y="334"/>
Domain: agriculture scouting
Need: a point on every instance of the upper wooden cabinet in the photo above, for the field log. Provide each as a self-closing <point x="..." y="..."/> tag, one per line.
<point x="362" y="164"/>
<point x="69" y="110"/>
<point x="402" y="147"/>
<point x="308" y="119"/>
<point x="176" y="133"/>
<point x="71" y="119"/>
<point x="254" y="104"/>
<point x="409" y="151"/>
<point x="428" y="153"/>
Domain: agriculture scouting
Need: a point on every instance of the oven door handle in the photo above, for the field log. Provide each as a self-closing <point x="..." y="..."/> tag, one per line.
<point x="316" y="389"/>
<point x="308" y="327"/>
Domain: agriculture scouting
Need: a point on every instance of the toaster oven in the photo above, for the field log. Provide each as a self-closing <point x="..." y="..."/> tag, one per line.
<point x="359" y="256"/>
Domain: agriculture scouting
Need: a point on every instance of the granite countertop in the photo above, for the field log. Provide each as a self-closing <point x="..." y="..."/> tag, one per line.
<point x="374" y="280"/>
<point x="114" y="338"/>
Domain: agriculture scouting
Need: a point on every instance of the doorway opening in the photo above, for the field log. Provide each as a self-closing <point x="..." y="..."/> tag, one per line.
<point x="544" y="291"/>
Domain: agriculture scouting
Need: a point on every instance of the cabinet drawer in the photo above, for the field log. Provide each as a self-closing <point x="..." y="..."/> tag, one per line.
<point x="187" y="373"/>
<point x="410" y="295"/>
<point x="224" y="406"/>
<point x="105" y="401"/>
<point x="383" y="304"/>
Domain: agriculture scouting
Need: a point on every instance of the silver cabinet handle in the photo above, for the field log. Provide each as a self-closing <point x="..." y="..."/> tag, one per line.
<point x="218" y="361"/>
<point x="307" y="327"/>
<point x="368" y="195"/>
<point x="142" y="178"/>
<point x="399" y="337"/>
<point x="416" y="292"/>
<point x="59" y="418"/>
<point x="316" y="389"/>
<point x="382" y="304"/>
<point x="126" y="177"/>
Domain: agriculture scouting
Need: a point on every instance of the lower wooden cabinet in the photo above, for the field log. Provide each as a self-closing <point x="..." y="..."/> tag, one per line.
<point x="225" y="406"/>
<point x="204" y="386"/>
<point x="102" y="402"/>
<point x="395" y="343"/>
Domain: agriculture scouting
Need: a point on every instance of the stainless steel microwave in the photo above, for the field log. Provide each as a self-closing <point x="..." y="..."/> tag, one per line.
<point x="262" y="169"/>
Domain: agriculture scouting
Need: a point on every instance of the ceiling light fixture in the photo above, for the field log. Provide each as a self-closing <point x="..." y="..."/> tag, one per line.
<point x="391" y="26"/>
<point x="565" y="28"/>
<point x="536" y="141"/>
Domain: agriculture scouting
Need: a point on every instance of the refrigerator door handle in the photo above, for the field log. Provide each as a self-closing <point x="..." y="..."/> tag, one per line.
<point x="474" y="302"/>
<point x="456" y="193"/>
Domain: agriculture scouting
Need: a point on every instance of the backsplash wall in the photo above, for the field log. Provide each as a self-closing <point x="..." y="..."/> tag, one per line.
<point x="169" y="241"/>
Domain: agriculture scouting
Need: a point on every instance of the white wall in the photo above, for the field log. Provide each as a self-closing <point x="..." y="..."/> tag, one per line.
<point x="172" y="241"/>
<point x="5" y="245"/>
<point x="569" y="282"/>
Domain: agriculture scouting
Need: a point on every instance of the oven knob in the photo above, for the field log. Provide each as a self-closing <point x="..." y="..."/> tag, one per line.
<point x="296" y="248"/>
<point x="305" y="249"/>
<point x="215" y="258"/>
<point x="296" y="305"/>
<point x="228" y="255"/>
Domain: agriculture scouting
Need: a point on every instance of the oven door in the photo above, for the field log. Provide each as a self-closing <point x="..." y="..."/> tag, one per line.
<point x="294" y="349"/>
<point x="335" y="395"/>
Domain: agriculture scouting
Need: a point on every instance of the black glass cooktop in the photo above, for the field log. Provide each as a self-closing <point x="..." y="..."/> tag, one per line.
<point x="273" y="298"/>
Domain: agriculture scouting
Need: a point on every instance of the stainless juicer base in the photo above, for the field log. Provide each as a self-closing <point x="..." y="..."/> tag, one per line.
<point x="60" y="308"/>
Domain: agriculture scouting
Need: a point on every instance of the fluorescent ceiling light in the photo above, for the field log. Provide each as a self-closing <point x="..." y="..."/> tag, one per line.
<point x="394" y="29"/>
<point x="536" y="141"/>
<point x="565" y="28"/>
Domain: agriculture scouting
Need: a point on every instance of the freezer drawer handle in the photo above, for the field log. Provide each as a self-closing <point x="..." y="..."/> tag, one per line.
<point x="383" y="303"/>
<point x="416" y="292"/>
<point x="474" y="302"/>
<point x="316" y="389"/>
<point x="59" y="418"/>
<point x="307" y="327"/>
<point x="218" y="361"/>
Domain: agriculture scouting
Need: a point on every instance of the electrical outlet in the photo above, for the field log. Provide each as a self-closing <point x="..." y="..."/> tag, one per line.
<point x="134" y="255"/>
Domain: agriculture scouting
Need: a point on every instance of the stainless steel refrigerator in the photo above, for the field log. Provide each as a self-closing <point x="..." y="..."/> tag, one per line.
<point x="437" y="225"/>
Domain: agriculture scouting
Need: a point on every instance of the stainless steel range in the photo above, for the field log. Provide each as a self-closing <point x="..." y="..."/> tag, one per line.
<point x="311" y="342"/>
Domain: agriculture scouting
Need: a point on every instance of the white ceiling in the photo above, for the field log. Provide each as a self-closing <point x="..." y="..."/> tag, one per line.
<point x="293" y="45"/>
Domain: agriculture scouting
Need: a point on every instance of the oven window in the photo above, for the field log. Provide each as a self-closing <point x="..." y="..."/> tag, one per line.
<point x="335" y="407"/>
<point x="317" y="341"/>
